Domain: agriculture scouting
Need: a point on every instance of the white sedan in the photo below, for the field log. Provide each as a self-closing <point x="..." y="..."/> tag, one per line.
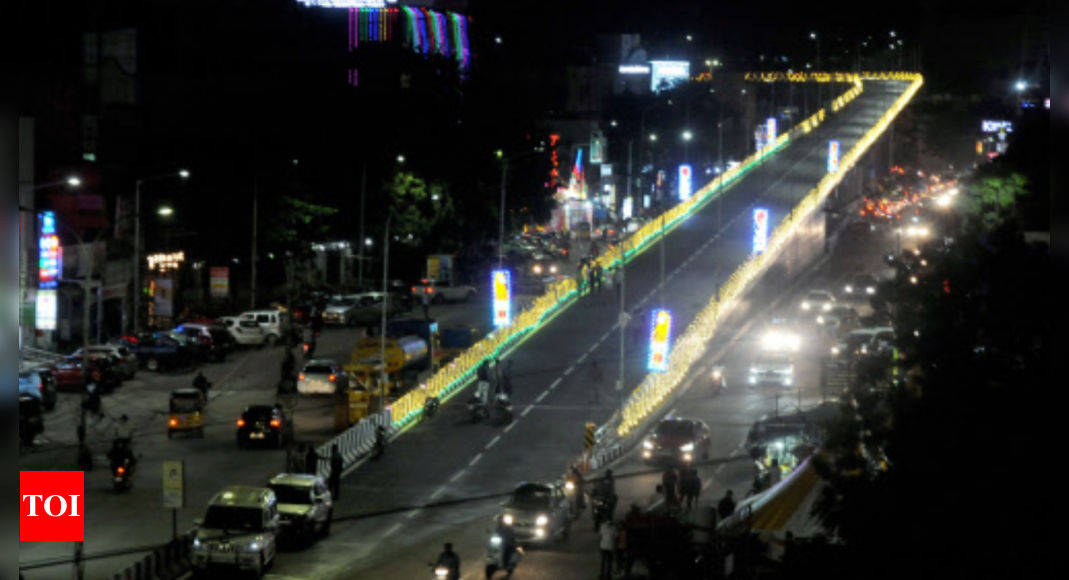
<point x="322" y="377"/>
<point x="245" y="332"/>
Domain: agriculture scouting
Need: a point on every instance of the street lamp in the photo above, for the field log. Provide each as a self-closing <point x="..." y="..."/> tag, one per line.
<point x="181" y="174"/>
<point x="401" y="159"/>
<point x="165" y="211"/>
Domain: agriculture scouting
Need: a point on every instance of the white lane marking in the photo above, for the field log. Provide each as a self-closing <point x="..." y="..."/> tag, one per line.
<point x="569" y="371"/>
<point x="476" y="460"/>
<point x="412" y="515"/>
<point x="393" y="530"/>
<point x="528" y="411"/>
<point x="608" y="334"/>
<point x="542" y="397"/>
<point x="556" y="384"/>
<point x="494" y="442"/>
<point x="509" y="428"/>
<point x="582" y="358"/>
<point x="457" y="476"/>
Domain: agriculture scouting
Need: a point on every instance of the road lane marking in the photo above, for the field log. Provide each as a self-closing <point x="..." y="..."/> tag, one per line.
<point x="494" y="442"/>
<point x="528" y="411"/>
<point x="582" y="359"/>
<point x="569" y="371"/>
<point x="509" y="428"/>
<point x="393" y="530"/>
<point x="474" y="461"/>
<point x="457" y="476"/>
<point x="542" y="397"/>
<point x="595" y="347"/>
<point x="440" y="491"/>
<point x="412" y="515"/>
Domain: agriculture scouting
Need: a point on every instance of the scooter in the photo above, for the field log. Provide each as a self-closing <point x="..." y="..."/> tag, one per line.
<point x="495" y="558"/>
<point x="123" y="476"/>
<point x="430" y="408"/>
<point x="477" y="405"/>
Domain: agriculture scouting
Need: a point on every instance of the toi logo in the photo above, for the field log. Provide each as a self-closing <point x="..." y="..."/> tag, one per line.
<point x="52" y="506"/>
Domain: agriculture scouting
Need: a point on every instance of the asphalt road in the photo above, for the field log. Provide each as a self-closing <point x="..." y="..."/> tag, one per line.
<point x="450" y="459"/>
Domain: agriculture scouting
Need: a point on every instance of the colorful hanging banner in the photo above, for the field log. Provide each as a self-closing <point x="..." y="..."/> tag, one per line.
<point x="502" y="283"/>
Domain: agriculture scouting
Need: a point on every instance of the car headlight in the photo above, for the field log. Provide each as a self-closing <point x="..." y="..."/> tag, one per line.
<point x="196" y="544"/>
<point x="542" y="521"/>
<point x="689" y="448"/>
<point x="508" y="520"/>
<point x="870" y="290"/>
<point x="806" y="306"/>
<point x="849" y="289"/>
<point x="820" y="320"/>
<point x="254" y="547"/>
<point x="648" y="445"/>
<point x="553" y="270"/>
<point x="538" y="269"/>
<point x="827" y="308"/>
<point x="835" y="351"/>
<point x="496" y="541"/>
<point x="569" y="486"/>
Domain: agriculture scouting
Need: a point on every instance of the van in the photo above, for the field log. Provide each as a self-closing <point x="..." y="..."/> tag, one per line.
<point x="239" y="532"/>
<point x="272" y="321"/>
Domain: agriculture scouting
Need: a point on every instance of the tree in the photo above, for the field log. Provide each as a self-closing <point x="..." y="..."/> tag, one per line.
<point x="421" y="210"/>
<point x="994" y="198"/>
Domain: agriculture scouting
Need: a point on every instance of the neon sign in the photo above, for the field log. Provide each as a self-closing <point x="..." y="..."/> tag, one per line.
<point x="686" y="182"/>
<point x="770" y="131"/>
<point x="166" y="262"/>
<point x="49" y="259"/>
<point x="669" y="74"/>
<point x="833" y="156"/>
<point x="347" y="3"/>
<point x="660" y="341"/>
<point x="502" y="298"/>
<point x="635" y="69"/>
<point x="760" y="231"/>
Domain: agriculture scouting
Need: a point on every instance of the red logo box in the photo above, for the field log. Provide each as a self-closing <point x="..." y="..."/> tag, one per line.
<point x="52" y="506"/>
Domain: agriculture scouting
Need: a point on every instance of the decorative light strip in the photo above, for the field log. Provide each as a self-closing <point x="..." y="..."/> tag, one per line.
<point x="656" y="389"/>
<point x="425" y="31"/>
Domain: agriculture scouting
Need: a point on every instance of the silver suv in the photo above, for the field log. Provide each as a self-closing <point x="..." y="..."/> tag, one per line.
<point x="306" y="506"/>
<point x="239" y="532"/>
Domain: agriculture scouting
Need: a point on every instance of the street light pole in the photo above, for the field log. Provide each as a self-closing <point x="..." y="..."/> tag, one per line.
<point x="255" y="236"/>
<point x="385" y="302"/>
<point x="501" y="240"/>
<point x="363" y="197"/>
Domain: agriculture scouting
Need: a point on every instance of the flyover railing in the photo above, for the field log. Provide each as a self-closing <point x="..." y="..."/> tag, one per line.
<point x="658" y="388"/>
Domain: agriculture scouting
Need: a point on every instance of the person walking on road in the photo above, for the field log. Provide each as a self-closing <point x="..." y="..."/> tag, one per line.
<point x="670" y="480"/>
<point x="607" y="546"/>
<point x="337" y="466"/>
<point x="596" y="379"/>
<point x="506" y="380"/>
<point x="426" y="301"/>
<point x="690" y="487"/>
<point x="726" y="508"/>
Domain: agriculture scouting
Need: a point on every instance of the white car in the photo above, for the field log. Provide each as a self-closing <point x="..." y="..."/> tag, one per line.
<point x="772" y="368"/>
<point x="306" y="506"/>
<point x="322" y="377"/>
<point x="239" y="532"/>
<point x="271" y="321"/>
<point x="442" y="292"/>
<point x="342" y="310"/>
<point x="245" y="332"/>
<point x="818" y="301"/>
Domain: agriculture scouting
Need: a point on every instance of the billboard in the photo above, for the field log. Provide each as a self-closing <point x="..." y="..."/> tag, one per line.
<point x="833" y="156"/>
<point x="996" y="126"/>
<point x="49" y="266"/>
<point x="502" y="282"/>
<point x="668" y="74"/>
<point x="760" y="230"/>
<point x="660" y="341"/>
<point x="47" y="308"/>
<point x="686" y="182"/>
<point x="635" y="69"/>
<point x="220" y="282"/>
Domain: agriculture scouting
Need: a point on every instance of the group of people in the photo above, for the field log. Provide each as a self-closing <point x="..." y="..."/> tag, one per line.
<point x="678" y="489"/>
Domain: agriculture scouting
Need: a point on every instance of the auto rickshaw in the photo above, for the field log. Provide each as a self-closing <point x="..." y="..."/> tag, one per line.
<point x="187" y="412"/>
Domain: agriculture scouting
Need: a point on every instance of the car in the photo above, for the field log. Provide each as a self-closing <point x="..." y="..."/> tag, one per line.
<point x="342" y="310"/>
<point x="31" y="420"/>
<point x="245" y="332"/>
<point x="123" y="356"/>
<point x="264" y="424"/>
<point x="542" y="265"/>
<point x="239" y="532"/>
<point x="836" y="315"/>
<point x="538" y="513"/>
<point x="70" y="374"/>
<point x="772" y="368"/>
<point x="272" y="321"/>
<point x="781" y="335"/>
<point x="859" y="342"/>
<point x="305" y="505"/>
<point x="322" y="377"/>
<point x="442" y="292"/>
<point x="677" y="442"/>
<point x="39" y="384"/>
<point x="159" y="352"/>
<point x="862" y="285"/>
<point x="212" y="340"/>
<point x="818" y="301"/>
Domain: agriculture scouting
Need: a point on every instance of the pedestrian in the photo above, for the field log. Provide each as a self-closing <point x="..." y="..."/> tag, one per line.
<point x="726" y="508"/>
<point x="618" y="281"/>
<point x="317" y="322"/>
<point x="599" y="276"/>
<point x="596" y="379"/>
<point x="775" y="474"/>
<point x="591" y="279"/>
<point x="311" y="461"/>
<point x="506" y="380"/>
<point x="656" y="499"/>
<point x="426" y="299"/>
<point x="691" y="486"/>
<point x="670" y="480"/>
<point x="607" y="545"/>
<point x="337" y="465"/>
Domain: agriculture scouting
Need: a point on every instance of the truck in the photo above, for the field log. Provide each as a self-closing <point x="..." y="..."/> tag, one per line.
<point x="406" y="357"/>
<point x="441" y="283"/>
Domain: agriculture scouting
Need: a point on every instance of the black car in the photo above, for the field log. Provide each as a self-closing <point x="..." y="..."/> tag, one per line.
<point x="31" y="420"/>
<point x="262" y="424"/>
<point x="158" y="352"/>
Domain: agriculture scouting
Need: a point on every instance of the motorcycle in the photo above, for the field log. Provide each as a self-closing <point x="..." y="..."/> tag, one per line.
<point x="441" y="573"/>
<point x="477" y="407"/>
<point x="495" y="558"/>
<point x="719" y="381"/>
<point x="502" y="410"/>
<point x="430" y="408"/>
<point x="123" y="475"/>
<point x="309" y="350"/>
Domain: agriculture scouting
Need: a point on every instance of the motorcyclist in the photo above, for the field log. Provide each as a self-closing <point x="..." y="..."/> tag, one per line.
<point x="202" y="384"/>
<point x="450" y="561"/>
<point x="509" y="544"/>
<point x="124" y="432"/>
<point x="309" y="334"/>
<point x="121" y="455"/>
<point x="575" y="477"/>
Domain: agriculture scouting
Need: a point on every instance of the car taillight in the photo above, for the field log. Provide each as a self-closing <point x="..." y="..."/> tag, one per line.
<point x="241" y="422"/>
<point x="300" y="377"/>
<point x="174" y="422"/>
<point x="40" y="387"/>
<point x="333" y="378"/>
<point x="120" y="470"/>
<point x="430" y="290"/>
<point x="276" y="423"/>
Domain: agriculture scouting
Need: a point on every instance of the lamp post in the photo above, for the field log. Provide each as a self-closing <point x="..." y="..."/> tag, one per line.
<point x="820" y="88"/>
<point x="385" y="302"/>
<point x="182" y="174"/>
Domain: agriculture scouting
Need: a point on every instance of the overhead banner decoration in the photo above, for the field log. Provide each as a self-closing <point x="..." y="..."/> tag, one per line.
<point x="660" y="341"/>
<point x="220" y="282"/>
<point x="686" y="182"/>
<point x="834" y="149"/>
<point x="760" y="231"/>
<point x="502" y="298"/>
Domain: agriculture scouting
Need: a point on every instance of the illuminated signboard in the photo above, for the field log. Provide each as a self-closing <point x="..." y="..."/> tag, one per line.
<point x="166" y="262"/>
<point x="660" y="341"/>
<point x="49" y="264"/>
<point x="348" y="3"/>
<point x="629" y="208"/>
<point x="770" y="131"/>
<point x="635" y="69"/>
<point x="833" y="156"/>
<point x="760" y="231"/>
<point x="46" y="309"/>
<point x="997" y="127"/>
<point x="669" y="74"/>
<point x="686" y="182"/>
<point x="502" y="298"/>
